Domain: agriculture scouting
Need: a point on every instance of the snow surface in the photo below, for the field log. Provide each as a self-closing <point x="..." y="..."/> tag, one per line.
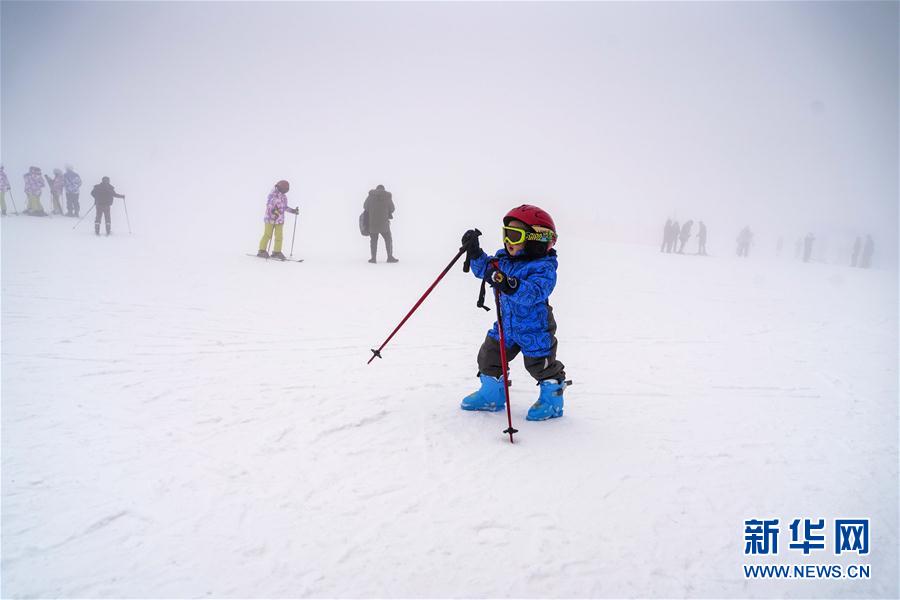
<point x="184" y="421"/>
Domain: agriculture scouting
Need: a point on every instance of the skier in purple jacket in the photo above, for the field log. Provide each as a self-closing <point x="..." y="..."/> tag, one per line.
<point x="34" y="183"/>
<point x="276" y="206"/>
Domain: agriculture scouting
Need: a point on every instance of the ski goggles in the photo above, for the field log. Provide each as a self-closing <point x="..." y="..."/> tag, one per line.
<point x="515" y="235"/>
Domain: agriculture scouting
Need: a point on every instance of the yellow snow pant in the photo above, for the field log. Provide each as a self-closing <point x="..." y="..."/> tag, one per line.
<point x="3" y="202"/>
<point x="267" y="235"/>
<point x="34" y="203"/>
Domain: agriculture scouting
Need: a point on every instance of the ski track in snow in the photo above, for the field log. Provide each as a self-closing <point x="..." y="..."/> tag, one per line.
<point x="209" y="427"/>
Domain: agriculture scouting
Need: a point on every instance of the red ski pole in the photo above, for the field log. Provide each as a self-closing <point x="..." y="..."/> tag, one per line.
<point x="413" y="309"/>
<point x="504" y="364"/>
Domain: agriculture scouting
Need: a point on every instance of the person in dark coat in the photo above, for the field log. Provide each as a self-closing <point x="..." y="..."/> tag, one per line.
<point x="103" y="194"/>
<point x="857" y="246"/>
<point x="673" y="237"/>
<point x="807" y="246"/>
<point x="379" y="209"/>
<point x="701" y="240"/>
<point x="744" y="239"/>
<point x="667" y="232"/>
<point x="685" y="234"/>
<point x="868" y="251"/>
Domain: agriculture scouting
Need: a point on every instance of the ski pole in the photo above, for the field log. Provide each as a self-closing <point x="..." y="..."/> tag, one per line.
<point x="127" y="220"/>
<point x="417" y="304"/>
<point x="271" y="237"/>
<point x="15" y="208"/>
<point x="85" y="216"/>
<point x="503" y="363"/>
<point x="293" y="233"/>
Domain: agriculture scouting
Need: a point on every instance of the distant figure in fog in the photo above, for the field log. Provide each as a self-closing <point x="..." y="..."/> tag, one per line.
<point x="379" y="210"/>
<point x="56" y="191"/>
<point x="103" y="194"/>
<point x="868" y="251"/>
<point x="4" y="187"/>
<point x="808" y="246"/>
<point x="701" y="240"/>
<point x="34" y="184"/>
<point x="857" y="246"/>
<point x="673" y="236"/>
<point x="744" y="239"/>
<point x="73" y="188"/>
<point x="667" y="232"/>
<point x="685" y="234"/>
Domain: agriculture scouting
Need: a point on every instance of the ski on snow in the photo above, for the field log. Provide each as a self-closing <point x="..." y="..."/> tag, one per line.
<point x="276" y="259"/>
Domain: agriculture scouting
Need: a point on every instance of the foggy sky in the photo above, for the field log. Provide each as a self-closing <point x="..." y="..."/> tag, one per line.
<point x="614" y="116"/>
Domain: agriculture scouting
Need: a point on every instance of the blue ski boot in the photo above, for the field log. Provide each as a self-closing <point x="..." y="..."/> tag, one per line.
<point x="549" y="404"/>
<point x="490" y="397"/>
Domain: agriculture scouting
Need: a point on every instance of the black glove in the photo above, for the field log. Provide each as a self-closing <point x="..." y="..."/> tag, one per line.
<point x="296" y="211"/>
<point x="470" y="244"/>
<point x="501" y="281"/>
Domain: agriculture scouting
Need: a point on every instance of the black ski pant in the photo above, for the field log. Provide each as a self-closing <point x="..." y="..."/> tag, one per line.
<point x="388" y="243"/>
<point x="102" y="211"/>
<point x="72" y="206"/>
<point x="541" y="368"/>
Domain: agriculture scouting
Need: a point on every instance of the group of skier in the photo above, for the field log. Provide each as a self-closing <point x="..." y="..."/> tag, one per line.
<point x="867" y="248"/>
<point x="673" y="234"/>
<point x="860" y="257"/>
<point x="375" y="221"/>
<point x="68" y="183"/>
<point x="675" y="237"/>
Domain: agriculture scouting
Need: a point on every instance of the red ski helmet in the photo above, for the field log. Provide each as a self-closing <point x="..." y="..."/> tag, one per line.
<point x="531" y="215"/>
<point x="283" y="186"/>
<point x="538" y="220"/>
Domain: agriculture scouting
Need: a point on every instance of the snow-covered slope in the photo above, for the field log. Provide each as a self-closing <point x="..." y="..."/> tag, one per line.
<point x="201" y="423"/>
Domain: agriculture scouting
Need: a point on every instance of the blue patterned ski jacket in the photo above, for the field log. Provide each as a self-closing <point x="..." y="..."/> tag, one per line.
<point x="526" y="312"/>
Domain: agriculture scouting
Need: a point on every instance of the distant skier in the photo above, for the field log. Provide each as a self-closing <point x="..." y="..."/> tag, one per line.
<point x="379" y="210"/>
<point x="73" y="188"/>
<point x="701" y="240"/>
<point x="103" y="194"/>
<point x="673" y="237"/>
<point x="667" y="232"/>
<point x="744" y="239"/>
<point x="276" y="206"/>
<point x="808" y="246"/>
<point x="868" y="251"/>
<point x="56" y="190"/>
<point x="4" y="187"/>
<point x="685" y="234"/>
<point x="524" y="272"/>
<point x="34" y="184"/>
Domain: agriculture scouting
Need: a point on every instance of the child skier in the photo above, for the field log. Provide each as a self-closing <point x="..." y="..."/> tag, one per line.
<point x="276" y="205"/>
<point x="34" y="183"/>
<point x="524" y="272"/>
